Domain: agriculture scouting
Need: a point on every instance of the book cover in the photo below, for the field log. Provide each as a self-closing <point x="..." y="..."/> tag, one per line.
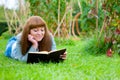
<point x="54" y="56"/>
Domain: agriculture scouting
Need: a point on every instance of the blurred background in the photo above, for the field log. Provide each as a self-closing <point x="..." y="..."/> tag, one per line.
<point x="96" y="19"/>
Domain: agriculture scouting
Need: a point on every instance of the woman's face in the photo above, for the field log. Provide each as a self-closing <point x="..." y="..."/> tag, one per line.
<point x="37" y="33"/>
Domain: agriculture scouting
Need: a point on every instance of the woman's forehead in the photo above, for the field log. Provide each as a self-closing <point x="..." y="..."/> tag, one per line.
<point x="39" y="27"/>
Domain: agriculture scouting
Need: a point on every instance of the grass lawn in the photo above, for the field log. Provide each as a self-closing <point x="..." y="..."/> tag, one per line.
<point x="78" y="66"/>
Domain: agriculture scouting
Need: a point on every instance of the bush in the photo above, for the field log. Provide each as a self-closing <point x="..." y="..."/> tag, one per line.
<point x="7" y="35"/>
<point x="3" y="27"/>
<point x="95" y="46"/>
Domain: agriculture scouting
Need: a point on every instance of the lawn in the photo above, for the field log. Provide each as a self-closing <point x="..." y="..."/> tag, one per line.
<point x="78" y="66"/>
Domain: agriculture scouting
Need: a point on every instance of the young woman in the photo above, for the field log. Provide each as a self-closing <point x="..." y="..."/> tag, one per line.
<point x="34" y="37"/>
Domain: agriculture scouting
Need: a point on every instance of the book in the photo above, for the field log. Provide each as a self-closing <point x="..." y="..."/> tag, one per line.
<point x="44" y="56"/>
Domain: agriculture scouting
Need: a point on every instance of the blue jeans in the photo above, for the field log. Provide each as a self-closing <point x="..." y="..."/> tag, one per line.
<point x="9" y="46"/>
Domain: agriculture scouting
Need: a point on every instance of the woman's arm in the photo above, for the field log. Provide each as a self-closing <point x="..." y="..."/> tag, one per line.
<point x="17" y="54"/>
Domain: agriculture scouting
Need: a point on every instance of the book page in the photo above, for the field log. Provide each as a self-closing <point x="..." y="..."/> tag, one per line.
<point x="57" y="51"/>
<point x="41" y="52"/>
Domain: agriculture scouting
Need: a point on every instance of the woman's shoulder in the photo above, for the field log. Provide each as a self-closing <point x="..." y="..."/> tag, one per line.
<point x="18" y="36"/>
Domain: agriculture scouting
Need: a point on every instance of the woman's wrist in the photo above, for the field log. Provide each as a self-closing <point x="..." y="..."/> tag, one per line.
<point x="35" y="46"/>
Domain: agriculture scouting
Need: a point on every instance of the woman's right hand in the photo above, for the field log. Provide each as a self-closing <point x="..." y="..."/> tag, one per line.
<point x="63" y="56"/>
<point x="33" y="41"/>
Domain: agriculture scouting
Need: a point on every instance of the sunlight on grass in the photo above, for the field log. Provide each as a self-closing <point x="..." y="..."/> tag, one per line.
<point x="78" y="66"/>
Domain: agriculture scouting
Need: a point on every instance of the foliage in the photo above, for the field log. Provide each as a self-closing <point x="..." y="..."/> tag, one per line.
<point x="100" y="46"/>
<point x="2" y="16"/>
<point x="6" y="35"/>
<point x="87" y="20"/>
<point x="108" y="16"/>
<point x="108" y="24"/>
<point x="3" y="26"/>
<point x="48" y="10"/>
<point x="95" y="46"/>
<point x="3" y="23"/>
<point x="87" y="24"/>
<point x="111" y="23"/>
<point x="16" y="18"/>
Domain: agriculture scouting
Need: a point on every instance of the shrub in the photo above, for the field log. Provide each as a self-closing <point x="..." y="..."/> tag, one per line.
<point x="7" y="35"/>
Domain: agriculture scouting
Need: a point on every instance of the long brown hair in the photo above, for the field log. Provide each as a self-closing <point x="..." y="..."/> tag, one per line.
<point x="34" y="22"/>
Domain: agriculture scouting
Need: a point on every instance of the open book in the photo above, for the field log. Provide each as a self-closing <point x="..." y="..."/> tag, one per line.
<point x="54" y="56"/>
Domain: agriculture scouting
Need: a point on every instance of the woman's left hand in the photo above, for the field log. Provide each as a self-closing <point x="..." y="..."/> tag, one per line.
<point x="63" y="56"/>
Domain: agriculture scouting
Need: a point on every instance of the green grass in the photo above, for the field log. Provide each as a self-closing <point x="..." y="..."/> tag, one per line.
<point x="78" y="66"/>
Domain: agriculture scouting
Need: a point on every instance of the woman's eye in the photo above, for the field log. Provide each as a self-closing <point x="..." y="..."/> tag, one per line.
<point x="42" y="30"/>
<point x="35" y="30"/>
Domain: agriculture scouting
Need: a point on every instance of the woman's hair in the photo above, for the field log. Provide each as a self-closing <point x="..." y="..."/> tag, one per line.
<point x="34" y="22"/>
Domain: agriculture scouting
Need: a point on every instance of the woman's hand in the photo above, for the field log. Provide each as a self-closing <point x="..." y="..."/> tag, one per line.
<point x="33" y="41"/>
<point x="63" y="56"/>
